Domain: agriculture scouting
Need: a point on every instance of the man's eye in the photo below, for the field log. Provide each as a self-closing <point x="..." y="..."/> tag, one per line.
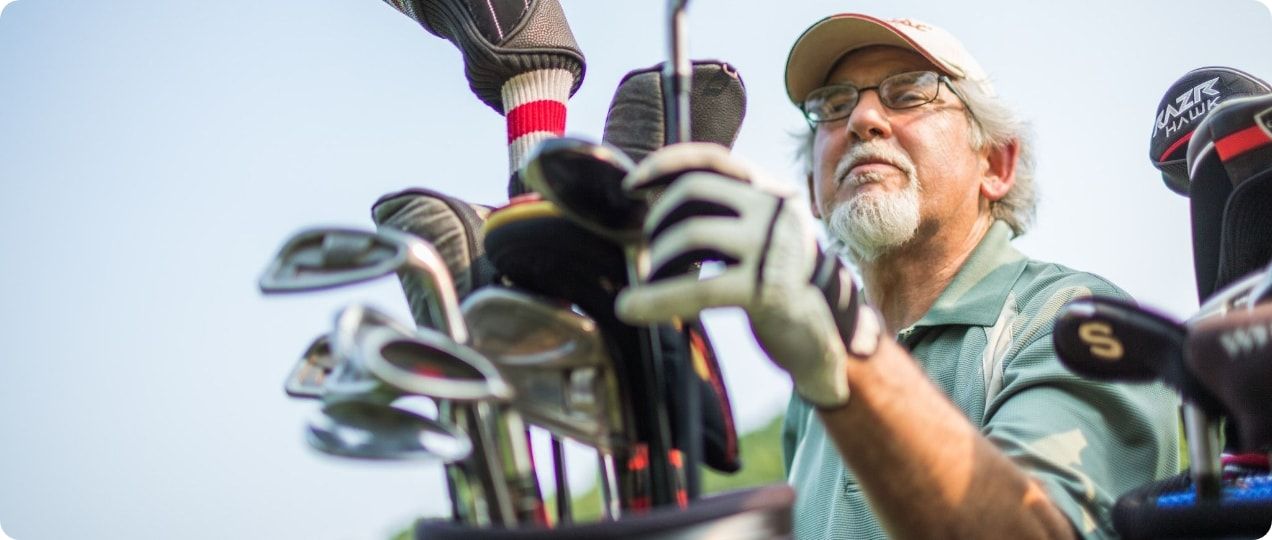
<point x="908" y="97"/>
<point x="838" y="104"/>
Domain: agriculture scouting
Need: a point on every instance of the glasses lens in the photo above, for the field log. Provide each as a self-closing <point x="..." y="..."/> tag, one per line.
<point x="909" y="90"/>
<point x="830" y="103"/>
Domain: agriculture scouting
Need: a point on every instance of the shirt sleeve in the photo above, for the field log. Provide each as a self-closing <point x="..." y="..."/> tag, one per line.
<point x="793" y="430"/>
<point x="1085" y="442"/>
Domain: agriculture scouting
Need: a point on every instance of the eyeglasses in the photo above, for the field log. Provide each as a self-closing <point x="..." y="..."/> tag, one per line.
<point x="900" y="91"/>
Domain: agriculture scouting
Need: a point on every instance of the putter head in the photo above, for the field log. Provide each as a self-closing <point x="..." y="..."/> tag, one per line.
<point x="556" y="360"/>
<point x="364" y="430"/>
<point x="311" y="371"/>
<point x="433" y="365"/>
<point x="585" y="181"/>
<point x="1232" y="357"/>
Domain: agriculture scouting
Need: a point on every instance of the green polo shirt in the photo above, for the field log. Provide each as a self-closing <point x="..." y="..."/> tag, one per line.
<point x="986" y="343"/>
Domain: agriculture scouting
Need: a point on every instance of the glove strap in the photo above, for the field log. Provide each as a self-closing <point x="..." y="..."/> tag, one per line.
<point x="858" y="325"/>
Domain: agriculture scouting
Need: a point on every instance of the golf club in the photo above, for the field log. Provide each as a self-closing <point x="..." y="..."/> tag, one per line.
<point x="311" y="370"/>
<point x="585" y="180"/>
<point x="468" y="481"/>
<point x="365" y="430"/>
<point x="558" y="363"/>
<point x="1115" y="340"/>
<point x="323" y="258"/>
<point x="1232" y="355"/>
<point x="431" y="364"/>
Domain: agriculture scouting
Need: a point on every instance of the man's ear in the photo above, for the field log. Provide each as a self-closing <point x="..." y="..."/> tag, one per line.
<point x="812" y="196"/>
<point x="1000" y="170"/>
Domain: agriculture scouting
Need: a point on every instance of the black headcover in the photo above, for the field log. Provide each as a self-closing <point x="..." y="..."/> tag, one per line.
<point x="1230" y="165"/>
<point x="1185" y="104"/>
<point x="636" y="122"/>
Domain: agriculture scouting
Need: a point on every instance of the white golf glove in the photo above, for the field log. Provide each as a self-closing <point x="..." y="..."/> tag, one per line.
<point x="802" y="304"/>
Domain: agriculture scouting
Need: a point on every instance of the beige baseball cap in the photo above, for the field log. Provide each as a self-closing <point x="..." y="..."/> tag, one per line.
<point x="820" y="47"/>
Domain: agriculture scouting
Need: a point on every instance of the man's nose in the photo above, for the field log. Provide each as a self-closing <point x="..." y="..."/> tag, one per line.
<point x="869" y="119"/>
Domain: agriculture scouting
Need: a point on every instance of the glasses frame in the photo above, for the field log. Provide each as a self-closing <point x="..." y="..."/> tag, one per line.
<point x="941" y="78"/>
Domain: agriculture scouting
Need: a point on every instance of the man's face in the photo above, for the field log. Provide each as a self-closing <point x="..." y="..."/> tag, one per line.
<point x="892" y="174"/>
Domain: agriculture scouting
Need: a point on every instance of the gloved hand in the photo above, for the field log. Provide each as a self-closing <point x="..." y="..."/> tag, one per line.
<point x="802" y="304"/>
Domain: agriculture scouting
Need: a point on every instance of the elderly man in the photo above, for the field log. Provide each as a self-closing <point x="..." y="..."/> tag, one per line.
<point x="946" y="412"/>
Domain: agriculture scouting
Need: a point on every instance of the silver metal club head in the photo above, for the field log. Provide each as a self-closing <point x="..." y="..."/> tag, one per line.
<point x="363" y="430"/>
<point x="327" y="257"/>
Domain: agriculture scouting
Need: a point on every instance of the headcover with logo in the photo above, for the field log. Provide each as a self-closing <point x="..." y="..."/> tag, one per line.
<point x="1230" y="167"/>
<point x="1186" y="103"/>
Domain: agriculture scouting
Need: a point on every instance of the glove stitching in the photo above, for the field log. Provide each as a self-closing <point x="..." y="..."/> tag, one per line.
<point x="764" y="250"/>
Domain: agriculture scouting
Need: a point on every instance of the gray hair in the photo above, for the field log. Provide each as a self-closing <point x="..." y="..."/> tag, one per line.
<point x="993" y="125"/>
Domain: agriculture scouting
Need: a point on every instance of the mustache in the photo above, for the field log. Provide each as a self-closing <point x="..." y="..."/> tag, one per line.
<point x="871" y="152"/>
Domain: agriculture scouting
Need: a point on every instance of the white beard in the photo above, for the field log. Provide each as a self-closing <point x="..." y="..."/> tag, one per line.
<point x="872" y="223"/>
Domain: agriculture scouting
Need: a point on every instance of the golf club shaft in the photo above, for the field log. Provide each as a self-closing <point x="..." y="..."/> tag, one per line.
<point x="676" y="74"/>
<point x="611" y="509"/>
<point x="564" y="513"/>
<point x="1204" y="450"/>
<point x="487" y="462"/>
<point x="662" y="481"/>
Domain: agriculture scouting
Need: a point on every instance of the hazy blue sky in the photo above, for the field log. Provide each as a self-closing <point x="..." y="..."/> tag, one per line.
<point x="155" y="153"/>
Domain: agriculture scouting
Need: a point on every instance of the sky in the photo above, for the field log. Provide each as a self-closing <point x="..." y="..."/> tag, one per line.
<point x="154" y="154"/>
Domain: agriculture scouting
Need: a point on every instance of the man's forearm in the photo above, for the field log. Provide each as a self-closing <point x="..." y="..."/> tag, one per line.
<point x="925" y="469"/>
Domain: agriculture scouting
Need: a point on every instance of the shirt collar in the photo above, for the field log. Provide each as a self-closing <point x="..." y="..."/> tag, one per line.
<point x="976" y="294"/>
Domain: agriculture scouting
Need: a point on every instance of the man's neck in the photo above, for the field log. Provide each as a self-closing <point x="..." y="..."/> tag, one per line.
<point x="904" y="282"/>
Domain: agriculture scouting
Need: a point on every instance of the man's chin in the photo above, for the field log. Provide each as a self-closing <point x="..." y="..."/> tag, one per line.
<point x="865" y="235"/>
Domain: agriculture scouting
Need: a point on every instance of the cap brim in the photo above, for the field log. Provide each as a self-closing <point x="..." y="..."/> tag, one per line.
<point x="820" y="47"/>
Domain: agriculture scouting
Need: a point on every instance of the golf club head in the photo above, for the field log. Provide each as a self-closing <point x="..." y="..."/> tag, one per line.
<point x="539" y="250"/>
<point x="556" y="360"/>
<point x="1232" y="357"/>
<point x="307" y="378"/>
<point x="323" y="258"/>
<point x="433" y="365"/>
<point x="585" y="181"/>
<point x="519" y="329"/>
<point x="351" y="378"/>
<point x="1114" y="340"/>
<point x="363" y="430"/>
<point x="1185" y="104"/>
<point x="326" y="257"/>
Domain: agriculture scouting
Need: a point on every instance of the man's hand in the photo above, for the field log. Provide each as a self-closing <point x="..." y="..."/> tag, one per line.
<point x="802" y="304"/>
